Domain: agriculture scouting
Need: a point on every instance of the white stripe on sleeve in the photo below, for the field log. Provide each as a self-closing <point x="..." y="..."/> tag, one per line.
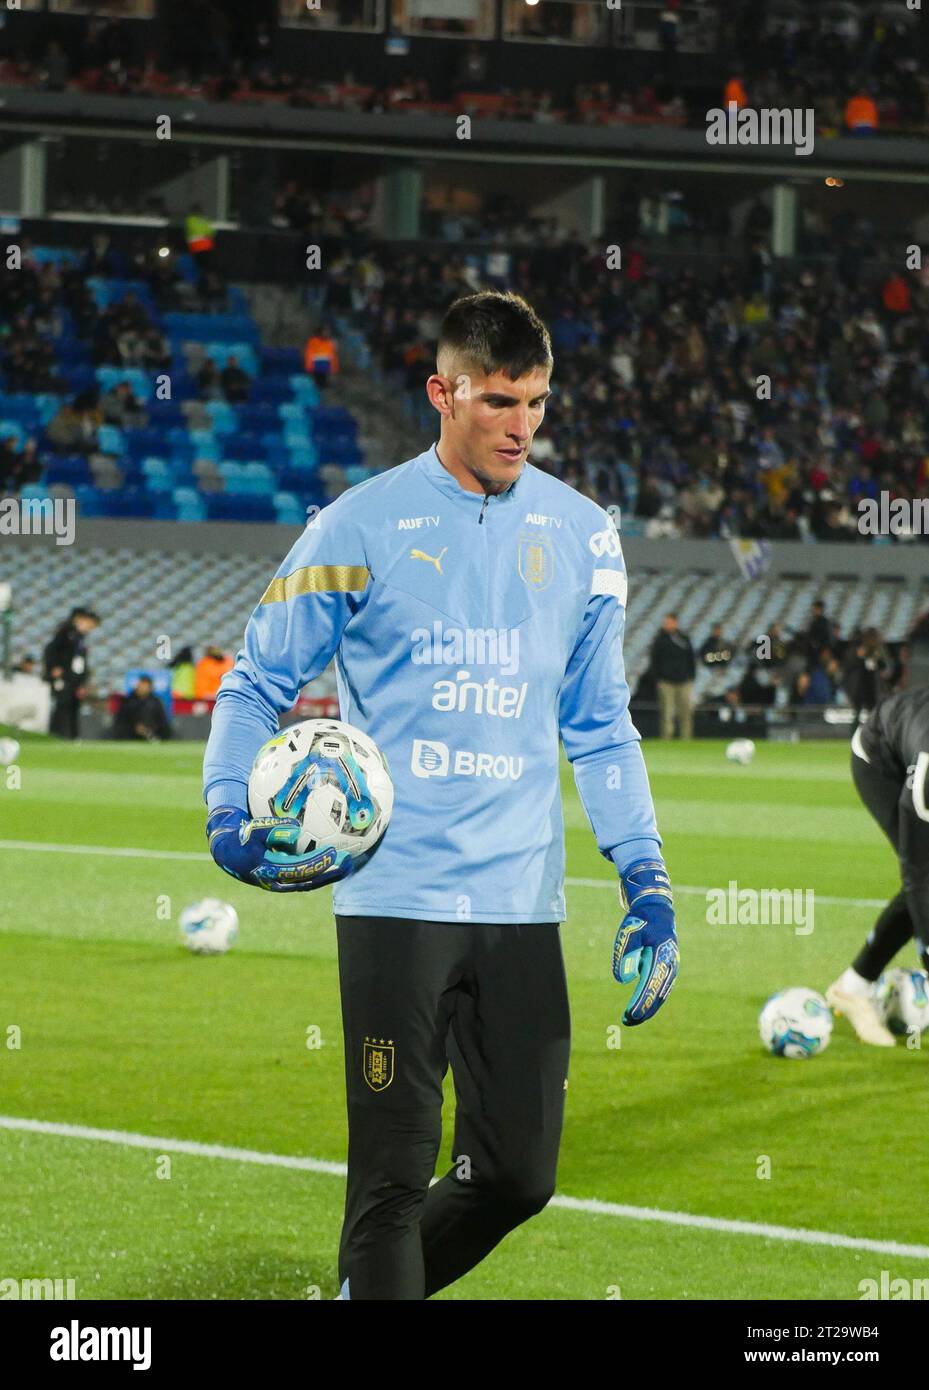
<point x="610" y="582"/>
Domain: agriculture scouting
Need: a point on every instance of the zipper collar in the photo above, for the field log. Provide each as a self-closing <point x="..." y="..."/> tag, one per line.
<point x="436" y="471"/>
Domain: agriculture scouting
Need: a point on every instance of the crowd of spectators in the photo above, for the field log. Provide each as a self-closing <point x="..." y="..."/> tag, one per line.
<point x="735" y="404"/>
<point x="33" y="302"/>
<point x="815" y="666"/>
<point x="826" y="58"/>
<point x="738" y="402"/>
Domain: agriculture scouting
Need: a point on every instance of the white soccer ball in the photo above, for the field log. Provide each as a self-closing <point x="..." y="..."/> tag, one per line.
<point x="210" y="927"/>
<point x="795" y="1023"/>
<point x="335" y="781"/>
<point x="9" y="751"/>
<point x="740" y="750"/>
<point x="903" y="1000"/>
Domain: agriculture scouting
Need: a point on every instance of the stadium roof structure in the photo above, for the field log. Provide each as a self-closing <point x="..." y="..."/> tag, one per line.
<point x="227" y="126"/>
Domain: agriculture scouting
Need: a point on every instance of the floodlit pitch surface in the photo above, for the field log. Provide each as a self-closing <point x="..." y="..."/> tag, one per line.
<point x="121" y="1030"/>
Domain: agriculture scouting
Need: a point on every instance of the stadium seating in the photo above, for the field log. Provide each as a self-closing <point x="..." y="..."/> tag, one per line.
<point x="195" y="459"/>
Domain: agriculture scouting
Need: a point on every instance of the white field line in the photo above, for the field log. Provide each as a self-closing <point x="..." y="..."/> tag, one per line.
<point x="196" y="857"/>
<point x="796" y="1235"/>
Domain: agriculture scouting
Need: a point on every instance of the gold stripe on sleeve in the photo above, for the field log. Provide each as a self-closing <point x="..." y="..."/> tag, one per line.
<point x="317" y="579"/>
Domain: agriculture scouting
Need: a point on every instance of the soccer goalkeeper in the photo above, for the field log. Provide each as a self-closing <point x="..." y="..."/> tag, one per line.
<point x="475" y="607"/>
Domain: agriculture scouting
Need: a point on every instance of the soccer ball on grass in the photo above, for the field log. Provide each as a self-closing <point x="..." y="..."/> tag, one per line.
<point x="740" y="750"/>
<point x="210" y="927"/>
<point x="903" y="1001"/>
<point x="795" y="1023"/>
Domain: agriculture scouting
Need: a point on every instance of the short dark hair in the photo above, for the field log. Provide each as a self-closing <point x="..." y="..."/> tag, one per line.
<point x="496" y="331"/>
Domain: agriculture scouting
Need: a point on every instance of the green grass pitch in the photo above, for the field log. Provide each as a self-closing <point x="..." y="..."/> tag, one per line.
<point x="122" y="1029"/>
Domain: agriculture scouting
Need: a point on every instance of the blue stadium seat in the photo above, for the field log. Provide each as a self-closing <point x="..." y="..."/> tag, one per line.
<point x="346" y="456"/>
<point x="111" y="440"/>
<point x="142" y="443"/>
<point x="139" y="380"/>
<point x="260" y="476"/>
<point x="166" y="413"/>
<point x="304" y="456"/>
<point x="272" y="443"/>
<point x="306" y="486"/>
<point x="46" y="406"/>
<point x="271" y="390"/>
<point x="224" y="417"/>
<point x="189" y="504"/>
<point x="183" y="385"/>
<point x="133" y="475"/>
<point x="305" y="390"/>
<point x="55" y="255"/>
<point x="258" y="418"/>
<point x="205" y="445"/>
<point x="281" y="361"/>
<point x="12" y="429"/>
<point x="72" y="471"/>
<point x="182" y="455"/>
<point x="230" y="471"/>
<point x="130" y="502"/>
<point x="89" y="501"/>
<point x="221" y="352"/>
<point x="287" y="509"/>
<point x="38" y="492"/>
<point x="165" y="508"/>
<point x="158" y="474"/>
<point x="21" y="407"/>
<point x="108" y="290"/>
<point x="72" y="353"/>
<point x="244" y="447"/>
<point x="247" y="479"/>
<point x="211" y="328"/>
<point x="334" y="417"/>
<point x="78" y="379"/>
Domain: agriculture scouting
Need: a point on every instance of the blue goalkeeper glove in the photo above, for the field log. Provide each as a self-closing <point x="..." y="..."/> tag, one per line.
<point x="646" y="943"/>
<point x="262" y="851"/>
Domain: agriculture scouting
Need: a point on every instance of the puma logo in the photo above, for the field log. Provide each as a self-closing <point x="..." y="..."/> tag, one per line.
<point x="433" y="559"/>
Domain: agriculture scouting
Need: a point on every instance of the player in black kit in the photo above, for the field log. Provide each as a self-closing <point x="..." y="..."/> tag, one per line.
<point x="890" y="767"/>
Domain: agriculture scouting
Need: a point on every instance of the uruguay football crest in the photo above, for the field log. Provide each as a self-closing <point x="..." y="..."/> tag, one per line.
<point x="536" y="562"/>
<point x="378" y="1063"/>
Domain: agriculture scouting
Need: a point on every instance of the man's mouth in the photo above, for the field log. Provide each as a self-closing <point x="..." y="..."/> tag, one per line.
<point x="510" y="454"/>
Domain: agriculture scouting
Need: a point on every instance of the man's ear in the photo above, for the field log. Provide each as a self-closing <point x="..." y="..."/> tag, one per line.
<point x="441" y="396"/>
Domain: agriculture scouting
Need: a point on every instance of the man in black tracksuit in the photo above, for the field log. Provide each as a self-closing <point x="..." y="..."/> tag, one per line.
<point x="674" y="666"/>
<point x="66" y="670"/>
<point x="890" y="767"/>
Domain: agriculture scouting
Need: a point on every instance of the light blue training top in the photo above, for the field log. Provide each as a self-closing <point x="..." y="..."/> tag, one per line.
<point x="468" y="631"/>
